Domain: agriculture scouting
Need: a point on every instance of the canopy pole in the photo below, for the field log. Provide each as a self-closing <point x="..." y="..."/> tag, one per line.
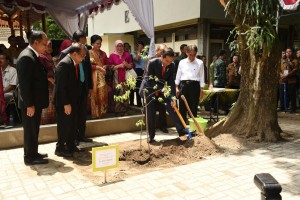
<point x="44" y="23"/>
<point x="11" y="25"/>
<point x="28" y="21"/>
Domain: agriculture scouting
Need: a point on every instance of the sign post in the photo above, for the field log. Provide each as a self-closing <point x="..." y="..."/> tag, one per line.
<point x="104" y="158"/>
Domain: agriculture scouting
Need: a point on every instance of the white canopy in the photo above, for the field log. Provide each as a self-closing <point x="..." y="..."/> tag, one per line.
<point x="72" y="15"/>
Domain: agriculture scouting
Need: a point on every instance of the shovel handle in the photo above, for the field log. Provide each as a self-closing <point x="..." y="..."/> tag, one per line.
<point x="178" y="113"/>
<point x="191" y="114"/>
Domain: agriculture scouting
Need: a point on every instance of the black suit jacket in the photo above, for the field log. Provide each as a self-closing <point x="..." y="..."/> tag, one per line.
<point x="155" y="70"/>
<point x="33" y="82"/>
<point x="67" y="86"/>
<point x="87" y="67"/>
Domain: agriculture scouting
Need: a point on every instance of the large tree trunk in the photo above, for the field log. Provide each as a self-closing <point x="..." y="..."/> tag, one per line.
<point x="254" y="114"/>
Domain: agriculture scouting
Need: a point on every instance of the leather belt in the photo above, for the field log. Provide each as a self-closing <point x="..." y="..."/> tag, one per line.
<point x="188" y="82"/>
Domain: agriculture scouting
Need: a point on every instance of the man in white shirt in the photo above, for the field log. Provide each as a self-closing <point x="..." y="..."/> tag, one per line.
<point x="9" y="76"/>
<point x="190" y="81"/>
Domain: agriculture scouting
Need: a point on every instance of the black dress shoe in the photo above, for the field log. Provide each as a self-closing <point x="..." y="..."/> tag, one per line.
<point x="41" y="155"/>
<point x="151" y="140"/>
<point x="65" y="153"/>
<point x="165" y="130"/>
<point x="76" y="142"/>
<point x="75" y="149"/>
<point x="182" y="132"/>
<point x="85" y="139"/>
<point x="37" y="161"/>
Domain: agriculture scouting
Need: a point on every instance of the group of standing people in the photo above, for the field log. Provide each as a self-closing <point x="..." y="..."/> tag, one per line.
<point x="85" y="77"/>
<point x="224" y="75"/>
<point x="71" y="88"/>
<point x="63" y="91"/>
<point x="289" y="80"/>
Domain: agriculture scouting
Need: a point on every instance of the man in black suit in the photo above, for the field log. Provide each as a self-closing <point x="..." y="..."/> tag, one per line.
<point x="162" y="69"/>
<point x="162" y="112"/>
<point x="33" y="95"/>
<point x="86" y="86"/>
<point x="67" y="98"/>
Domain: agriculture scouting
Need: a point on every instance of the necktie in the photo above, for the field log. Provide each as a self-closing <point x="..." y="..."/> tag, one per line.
<point x="76" y="70"/>
<point x="81" y="72"/>
<point x="163" y="71"/>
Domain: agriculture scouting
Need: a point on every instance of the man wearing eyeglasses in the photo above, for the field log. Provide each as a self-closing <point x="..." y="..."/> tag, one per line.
<point x="190" y="81"/>
<point x="87" y="86"/>
<point x="67" y="94"/>
<point x="160" y="72"/>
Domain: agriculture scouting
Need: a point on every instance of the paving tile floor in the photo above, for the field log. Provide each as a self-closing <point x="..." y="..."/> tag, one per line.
<point x="229" y="176"/>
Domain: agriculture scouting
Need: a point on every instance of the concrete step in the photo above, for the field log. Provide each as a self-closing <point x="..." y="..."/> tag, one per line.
<point x="13" y="137"/>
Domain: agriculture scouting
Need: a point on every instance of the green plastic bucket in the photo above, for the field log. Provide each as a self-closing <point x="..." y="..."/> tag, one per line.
<point x="201" y="121"/>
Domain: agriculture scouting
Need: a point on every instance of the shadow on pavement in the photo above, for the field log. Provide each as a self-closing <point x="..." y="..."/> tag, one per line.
<point x="51" y="168"/>
<point x="85" y="158"/>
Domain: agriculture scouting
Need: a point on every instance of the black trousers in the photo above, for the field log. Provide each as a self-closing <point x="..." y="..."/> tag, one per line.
<point x="66" y="128"/>
<point x="131" y="97"/>
<point x="31" y="126"/>
<point x="82" y="112"/>
<point x="291" y="96"/>
<point x="151" y="115"/>
<point x="162" y="114"/>
<point x="191" y="91"/>
<point x="140" y="73"/>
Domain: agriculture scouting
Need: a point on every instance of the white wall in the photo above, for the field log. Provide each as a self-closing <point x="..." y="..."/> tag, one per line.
<point x="112" y="21"/>
<point x="171" y="11"/>
<point x="108" y="42"/>
<point x="165" y="12"/>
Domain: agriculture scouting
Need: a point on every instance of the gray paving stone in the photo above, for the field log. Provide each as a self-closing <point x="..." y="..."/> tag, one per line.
<point x="227" y="176"/>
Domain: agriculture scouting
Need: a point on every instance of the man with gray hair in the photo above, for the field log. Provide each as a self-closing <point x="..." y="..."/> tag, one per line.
<point x="85" y="69"/>
<point x="33" y="95"/>
<point x="190" y="81"/>
<point x="67" y="94"/>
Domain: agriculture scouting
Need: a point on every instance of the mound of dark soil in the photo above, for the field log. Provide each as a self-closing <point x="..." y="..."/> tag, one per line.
<point x="138" y="157"/>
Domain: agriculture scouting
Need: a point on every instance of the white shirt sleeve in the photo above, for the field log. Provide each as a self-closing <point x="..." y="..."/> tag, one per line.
<point x="202" y="83"/>
<point x="179" y="73"/>
<point x="13" y="78"/>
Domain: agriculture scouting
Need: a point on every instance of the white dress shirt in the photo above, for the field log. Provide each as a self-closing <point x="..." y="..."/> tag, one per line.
<point x="190" y="71"/>
<point x="9" y="76"/>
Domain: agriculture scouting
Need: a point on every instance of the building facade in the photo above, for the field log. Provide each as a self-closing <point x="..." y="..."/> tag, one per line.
<point x="191" y="22"/>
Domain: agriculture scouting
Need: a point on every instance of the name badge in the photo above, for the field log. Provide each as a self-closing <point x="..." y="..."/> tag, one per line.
<point x="285" y="72"/>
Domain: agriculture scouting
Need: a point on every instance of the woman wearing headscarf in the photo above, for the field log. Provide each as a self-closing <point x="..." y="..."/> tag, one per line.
<point x="99" y="63"/>
<point x="120" y="61"/>
<point x="48" y="114"/>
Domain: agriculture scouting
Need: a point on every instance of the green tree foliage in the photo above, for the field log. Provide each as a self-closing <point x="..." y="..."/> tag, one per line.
<point x="256" y="19"/>
<point x="254" y="114"/>
<point x="54" y="32"/>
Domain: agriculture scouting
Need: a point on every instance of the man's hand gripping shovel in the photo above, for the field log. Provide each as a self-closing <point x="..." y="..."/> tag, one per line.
<point x="173" y="104"/>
